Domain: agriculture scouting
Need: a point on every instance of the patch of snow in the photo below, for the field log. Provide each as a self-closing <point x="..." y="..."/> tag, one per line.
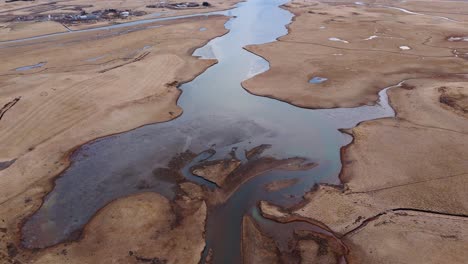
<point x="337" y="39"/>
<point x="458" y="39"/>
<point x="371" y="37"/>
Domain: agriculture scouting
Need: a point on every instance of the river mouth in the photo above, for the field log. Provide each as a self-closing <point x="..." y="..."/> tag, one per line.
<point x="221" y="117"/>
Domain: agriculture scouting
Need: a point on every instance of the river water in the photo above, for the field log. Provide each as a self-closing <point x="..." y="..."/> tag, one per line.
<point x="219" y="115"/>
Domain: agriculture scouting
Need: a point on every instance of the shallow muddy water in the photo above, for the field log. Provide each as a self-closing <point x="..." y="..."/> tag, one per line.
<point x="220" y="116"/>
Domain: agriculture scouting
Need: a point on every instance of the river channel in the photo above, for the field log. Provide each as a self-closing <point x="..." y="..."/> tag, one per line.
<point x="218" y="115"/>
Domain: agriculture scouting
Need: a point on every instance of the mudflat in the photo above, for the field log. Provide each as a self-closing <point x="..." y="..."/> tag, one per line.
<point x="62" y="92"/>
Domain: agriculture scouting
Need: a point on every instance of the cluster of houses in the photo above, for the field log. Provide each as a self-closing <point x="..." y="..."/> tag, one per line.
<point x="103" y="14"/>
<point x="106" y="14"/>
<point x="83" y="16"/>
<point x="181" y="5"/>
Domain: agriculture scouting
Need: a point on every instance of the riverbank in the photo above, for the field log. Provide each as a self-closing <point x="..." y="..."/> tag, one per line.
<point x="402" y="198"/>
<point x="407" y="195"/>
<point x="188" y="190"/>
<point x="165" y="233"/>
<point x="342" y="54"/>
<point x="113" y="81"/>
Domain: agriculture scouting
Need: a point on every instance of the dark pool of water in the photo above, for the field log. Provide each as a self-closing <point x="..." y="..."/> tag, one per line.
<point x="219" y="115"/>
<point x="6" y="164"/>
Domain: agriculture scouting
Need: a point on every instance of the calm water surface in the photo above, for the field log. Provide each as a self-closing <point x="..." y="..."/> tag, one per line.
<point x="218" y="114"/>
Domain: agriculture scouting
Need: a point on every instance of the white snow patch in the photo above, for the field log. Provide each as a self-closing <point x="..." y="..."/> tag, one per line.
<point x="458" y="39"/>
<point x="371" y="37"/>
<point x="337" y="39"/>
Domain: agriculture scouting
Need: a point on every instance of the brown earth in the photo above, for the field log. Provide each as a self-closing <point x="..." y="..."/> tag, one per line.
<point x="131" y="80"/>
<point x="307" y="247"/>
<point x="256" y="247"/>
<point x="301" y="246"/>
<point x="230" y="173"/>
<point x="217" y="170"/>
<point x="404" y="178"/>
<point x="11" y="31"/>
<point x="405" y="181"/>
<point x="136" y="229"/>
<point x="455" y="10"/>
<point x="281" y="184"/>
<point x="314" y="248"/>
<point x="356" y="70"/>
<point x="254" y="167"/>
<point x="15" y="29"/>
<point x="410" y="237"/>
<point x="403" y="198"/>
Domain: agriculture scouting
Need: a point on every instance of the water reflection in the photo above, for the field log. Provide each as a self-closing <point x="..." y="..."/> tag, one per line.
<point x="218" y="114"/>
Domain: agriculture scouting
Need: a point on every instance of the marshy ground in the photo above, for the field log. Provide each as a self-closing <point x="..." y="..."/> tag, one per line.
<point x="237" y="177"/>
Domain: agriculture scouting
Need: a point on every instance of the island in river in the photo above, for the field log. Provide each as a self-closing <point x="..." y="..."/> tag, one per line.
<point x="402" y="191"/>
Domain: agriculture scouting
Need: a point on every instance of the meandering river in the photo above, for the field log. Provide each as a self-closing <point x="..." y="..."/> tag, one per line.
<point x="220" y="115"/>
